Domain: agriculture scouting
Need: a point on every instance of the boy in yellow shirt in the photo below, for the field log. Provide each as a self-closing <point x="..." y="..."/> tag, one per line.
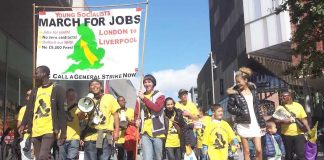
<point x="126" y="116"/>
<point x="200" y="127"/>
<point x="218" y="135"/>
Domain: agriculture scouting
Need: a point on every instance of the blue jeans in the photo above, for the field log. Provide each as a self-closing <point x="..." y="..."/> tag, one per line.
<point x="69" y="150"/>
<point x="202" y="156"/>
<point x="199" y="152"/>
<point x="93" y="153"/>
<point x="152" y="148"/>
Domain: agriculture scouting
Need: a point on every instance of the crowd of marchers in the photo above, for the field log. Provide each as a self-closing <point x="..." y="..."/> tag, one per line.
<point x="55" y="124"/>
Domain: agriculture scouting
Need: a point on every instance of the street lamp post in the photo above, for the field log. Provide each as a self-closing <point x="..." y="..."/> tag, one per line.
<point x="212" y="67"/>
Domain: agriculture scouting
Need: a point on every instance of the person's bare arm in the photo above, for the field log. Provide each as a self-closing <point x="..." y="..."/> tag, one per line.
<point x="189" y="115"/>
<point x="116" y="123"/>
<point x="304" y="120"/>
<point x="284" y="121"/>
<point x="18" y="123"/>
<point x="18" y="126"/>
<point x="266" y="118"/>
<point x="81" y="115"/>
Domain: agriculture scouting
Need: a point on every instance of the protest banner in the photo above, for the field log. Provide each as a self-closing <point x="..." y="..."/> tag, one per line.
<point x="83" y="45"/>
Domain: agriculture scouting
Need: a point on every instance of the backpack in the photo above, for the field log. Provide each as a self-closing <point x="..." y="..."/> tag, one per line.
<point x="131" y="134"/>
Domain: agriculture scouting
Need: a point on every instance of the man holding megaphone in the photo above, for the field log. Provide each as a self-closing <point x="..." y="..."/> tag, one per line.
<point x="103" y="122"/>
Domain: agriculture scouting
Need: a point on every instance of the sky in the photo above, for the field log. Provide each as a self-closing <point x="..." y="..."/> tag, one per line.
<point x="177" y="41"/>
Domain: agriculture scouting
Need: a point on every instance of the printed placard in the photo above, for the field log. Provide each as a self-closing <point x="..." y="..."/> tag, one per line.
<point x="84" y="45"/>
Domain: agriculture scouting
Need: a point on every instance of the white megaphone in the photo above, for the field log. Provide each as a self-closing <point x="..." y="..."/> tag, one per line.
<point x="86" y="104"/>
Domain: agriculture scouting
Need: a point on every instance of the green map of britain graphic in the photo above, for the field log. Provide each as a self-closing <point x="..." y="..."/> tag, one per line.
<point x="86" y="54"/>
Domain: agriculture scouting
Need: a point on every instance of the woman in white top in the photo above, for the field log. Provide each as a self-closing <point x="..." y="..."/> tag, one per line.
<point x="244" y="104"/>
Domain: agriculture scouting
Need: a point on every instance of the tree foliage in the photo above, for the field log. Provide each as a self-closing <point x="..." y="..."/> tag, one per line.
<point x="308" y="18"/>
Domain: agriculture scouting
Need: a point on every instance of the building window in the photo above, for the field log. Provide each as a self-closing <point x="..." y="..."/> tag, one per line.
<point x="209" y="98"/>
<point x="221" y="86"/>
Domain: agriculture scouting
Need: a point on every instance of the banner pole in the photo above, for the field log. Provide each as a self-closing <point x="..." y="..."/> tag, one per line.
<point x="142" y="70"/>
<point x="108" y="6"/>
<point x="143" y="46"/>
<point x="34" y="46"/>
<point x="5" y="96"/>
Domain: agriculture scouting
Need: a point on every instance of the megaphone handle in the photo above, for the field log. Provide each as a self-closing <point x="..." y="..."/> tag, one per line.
<point x="96" y="109"/>
<point x="97" y="104"/>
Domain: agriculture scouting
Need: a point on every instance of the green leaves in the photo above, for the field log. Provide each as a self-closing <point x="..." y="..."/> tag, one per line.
<point x="308" y="18"/>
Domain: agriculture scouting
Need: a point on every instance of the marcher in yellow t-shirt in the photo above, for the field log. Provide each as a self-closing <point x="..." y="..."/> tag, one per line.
<point x="291" y="129"/>
<point x="292" y="136"/>
<point x="98" y="137"/>
<point x="172" y="144"/>
<point x="218" y="135"/>
<point x="45" y="116"/>
<point x="200" y="126"/>
<point x="151" y="119"/>
<point x="70" y="148"/>
<point x="190" y="113"/>
<point x="25" y="144"/>
<point x="42" y="112"/>
<point x="126" y="116"/>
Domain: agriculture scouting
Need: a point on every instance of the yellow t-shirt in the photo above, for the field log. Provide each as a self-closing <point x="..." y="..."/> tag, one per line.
<point x="223" y="129"/>
<point x="172" y="139"/>
<point x="148" y="125"/>
<point x="200" y="132"/>
<point x="20" y="118"/>
<point x="108" y="106"/>
<point x="42" y="120"/>
<point x="292" y="129"/>
<point x="73" y="126"/>
<point x="190" y="107"/>
<point x="130" y="117"/>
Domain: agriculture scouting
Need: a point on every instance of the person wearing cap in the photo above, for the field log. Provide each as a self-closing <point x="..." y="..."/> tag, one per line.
<point x="190" y="111"/>
<point x="99" y="137"/>
<point x="190" y="114"/>
<point x="149" y="115"/>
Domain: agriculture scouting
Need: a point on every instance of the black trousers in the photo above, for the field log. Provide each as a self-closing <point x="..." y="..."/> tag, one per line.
<point x="42" y="146"/>
<point x="121" y="152"/>
<point x="173" y="153"/>
<point x="294" y="145"/>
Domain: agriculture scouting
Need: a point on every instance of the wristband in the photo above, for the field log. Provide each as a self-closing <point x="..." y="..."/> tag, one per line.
<point x="235" y="141"/>
<point x="205" y="148"/>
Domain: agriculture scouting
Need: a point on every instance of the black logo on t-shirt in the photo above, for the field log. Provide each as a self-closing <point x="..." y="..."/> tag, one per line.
<point x="219" y="141"/>
<point x="42" y="110"/>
